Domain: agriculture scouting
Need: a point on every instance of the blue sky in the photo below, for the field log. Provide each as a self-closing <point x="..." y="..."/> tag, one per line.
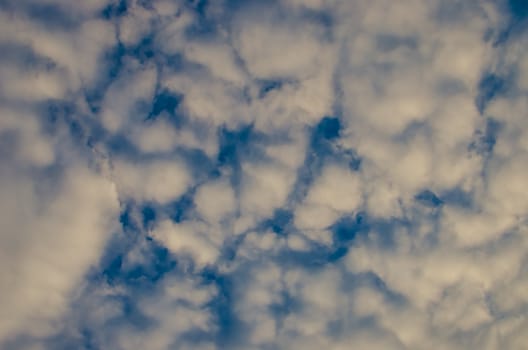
<point x="271" y="175"/>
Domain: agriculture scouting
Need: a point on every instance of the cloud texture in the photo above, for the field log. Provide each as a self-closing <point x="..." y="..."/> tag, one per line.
<point x="286" y="174"/>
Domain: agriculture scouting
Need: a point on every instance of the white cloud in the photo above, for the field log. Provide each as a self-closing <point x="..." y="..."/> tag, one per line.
<point x="402" y="78"/>
<point x="218" y="58"/>
<point x="187" y="238"/>
<point x="177" y="307"/>
<point x="215" y="200"/>
<point x="32" y="147"/>
<point x="135" y="25"/>
<point x="310" y="216"/>
<point x="120" y="106"/>
<point x="158" y="136"/>
<point x="306" y="4"/>
<point x="295" y="104"/>
<point x="274" y="48"/>
<point x="49" y="240"/>
<point x="161" y="181"/>
<point x="76" y="54"/>
<point x="338" y="188"/>
<point x="265" y="187"/>
<point x="209" y="100"/>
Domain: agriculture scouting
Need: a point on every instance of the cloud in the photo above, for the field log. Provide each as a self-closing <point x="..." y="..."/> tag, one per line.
<point x="193" y="239"/>
<point x="265" y="188"/>
<point x="120" y="106"/>
<point x="228" y="175"/>
<point x="275" y="48"/>
<point x="51" y="236"/>
<point x="160" y="181"/>
<point x="215" y="200"/>
<point x="178" y="306"/>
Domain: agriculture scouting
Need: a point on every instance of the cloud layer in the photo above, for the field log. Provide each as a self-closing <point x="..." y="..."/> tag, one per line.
<point x="287" y="174"/>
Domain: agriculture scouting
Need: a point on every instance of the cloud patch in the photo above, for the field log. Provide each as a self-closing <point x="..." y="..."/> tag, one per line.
<point x="233" y="175"/>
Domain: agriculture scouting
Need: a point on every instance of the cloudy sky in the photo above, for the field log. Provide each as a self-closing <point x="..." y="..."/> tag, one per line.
<point x="263" y="175"/>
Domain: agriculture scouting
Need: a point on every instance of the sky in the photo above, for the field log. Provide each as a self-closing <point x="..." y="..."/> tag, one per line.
<point x="263" y="175"/>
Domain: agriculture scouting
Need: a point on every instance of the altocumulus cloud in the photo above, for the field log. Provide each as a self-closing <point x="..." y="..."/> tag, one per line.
<point x="284" y="174"/>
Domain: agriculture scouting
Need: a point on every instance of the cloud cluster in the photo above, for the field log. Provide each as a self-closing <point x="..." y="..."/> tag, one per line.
<point x="278" y="174"/>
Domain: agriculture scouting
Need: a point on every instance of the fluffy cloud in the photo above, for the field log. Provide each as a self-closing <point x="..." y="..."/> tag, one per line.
<point x="160" y="181"/>
<point x="215" y="200"/>
<point x="178" y="308"/>
<point x="169" y="179"/>
<point x="192" y="239"/>
<point x="49" y="240"/>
